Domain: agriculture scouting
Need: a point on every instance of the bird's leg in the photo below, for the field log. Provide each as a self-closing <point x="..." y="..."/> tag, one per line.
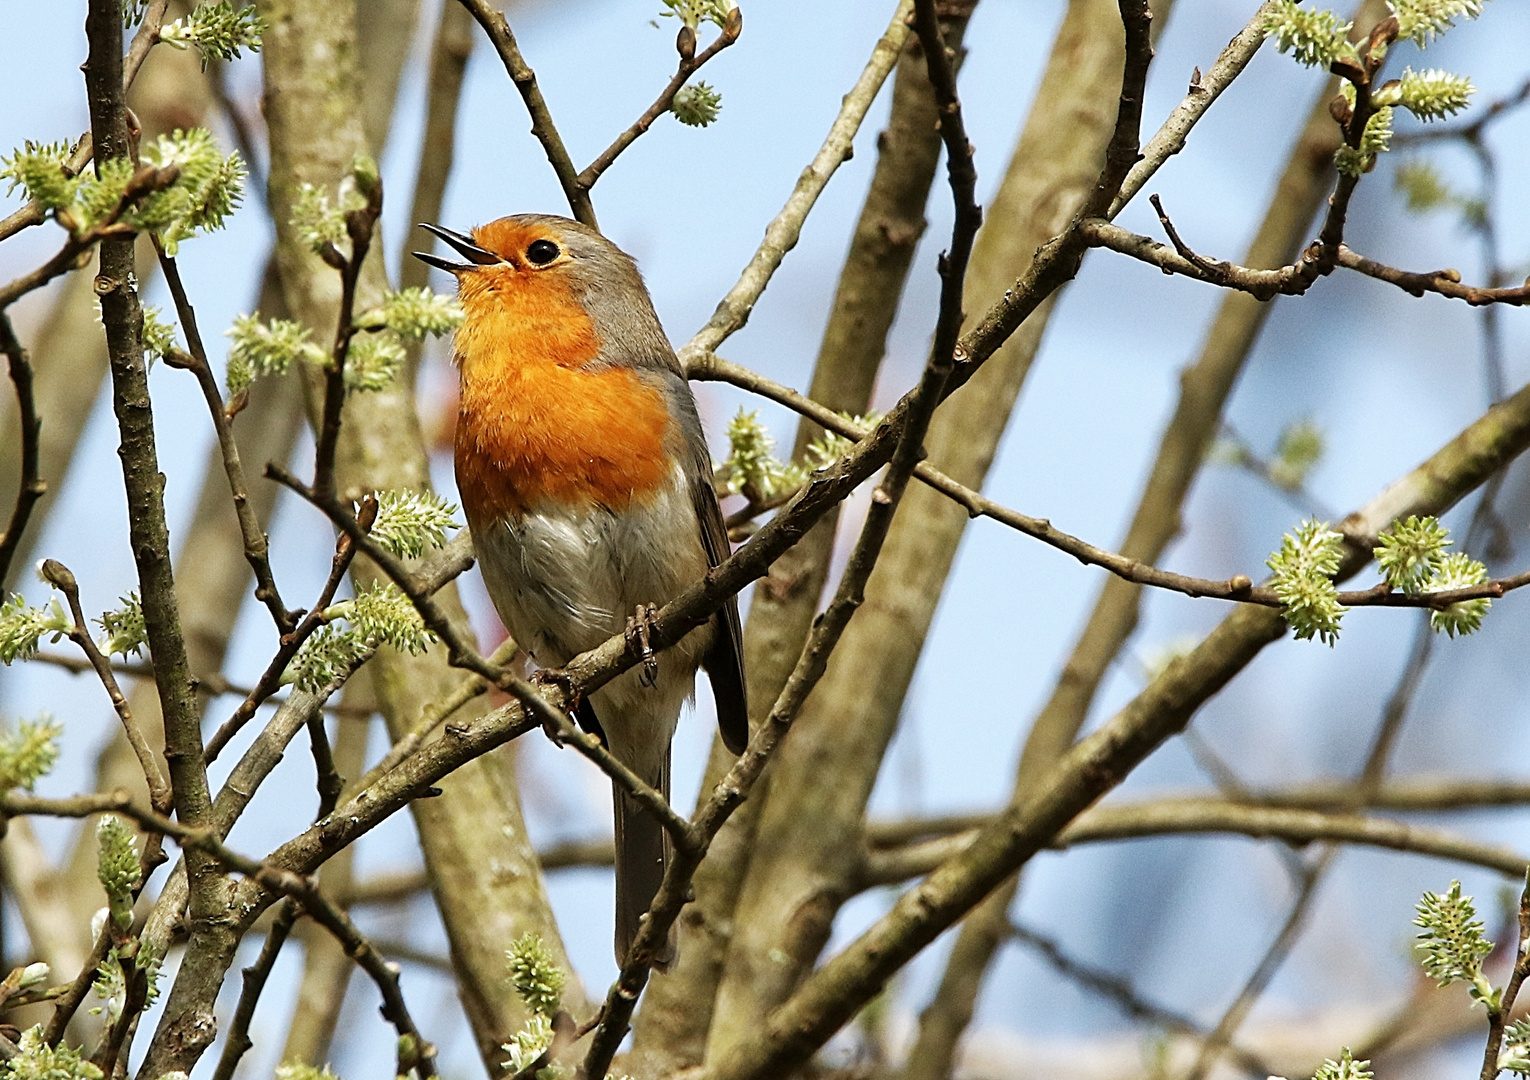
<point x="579" y="706"/>
<point x="546" y="677"/>
<point x="639" y="629"/>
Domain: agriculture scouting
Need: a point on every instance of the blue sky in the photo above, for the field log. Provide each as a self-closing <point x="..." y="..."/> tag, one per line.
<point x="1387" y="377"/>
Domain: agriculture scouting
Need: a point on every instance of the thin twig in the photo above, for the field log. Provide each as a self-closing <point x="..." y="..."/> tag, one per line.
<point x="255" y="977"/>
<point x="1122" y="152"/>
<point x="32" y="486"/>
<point x="214" y="684"/>
<point x="359" y="226"/>
<point x="690" y="63"/>
<point x="1239" y="588"/>
<point x="291" y="642"/>
<point x="1444" y="282"/>
<point x="1221" y="1036"/>
<point x="503" y="39"/>
<point x="59" y="576"/>
<point x="1204" y="89"/>
<point x="256" y="546"/>
<point x="146" y="38"/>
<point x="1123" y="995"/>
<point x="783" y="231"/>
<point x="437" y="713"/>
<point x="326" y="777"/>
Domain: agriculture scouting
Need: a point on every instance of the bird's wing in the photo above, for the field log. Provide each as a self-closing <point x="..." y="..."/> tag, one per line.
<point x="724" y="660"/>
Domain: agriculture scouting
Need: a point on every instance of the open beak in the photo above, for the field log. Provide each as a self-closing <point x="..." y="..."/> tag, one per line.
<point x="464" y="245"/>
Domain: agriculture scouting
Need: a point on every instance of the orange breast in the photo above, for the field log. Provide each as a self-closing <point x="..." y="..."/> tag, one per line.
<point x="534" y="422"/>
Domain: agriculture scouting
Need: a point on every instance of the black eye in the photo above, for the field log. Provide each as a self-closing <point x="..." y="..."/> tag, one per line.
<point x="542" y="252"/>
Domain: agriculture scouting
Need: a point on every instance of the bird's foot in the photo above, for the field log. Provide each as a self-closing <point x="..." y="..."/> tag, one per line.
<point x="579" y="706"/>
<point x="543" y="678"/>
<point x="639" y="632"/>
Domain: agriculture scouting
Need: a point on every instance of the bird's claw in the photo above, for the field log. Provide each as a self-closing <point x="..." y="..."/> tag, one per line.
<point x="546" y="677"/>
<point x="639" y="633"/>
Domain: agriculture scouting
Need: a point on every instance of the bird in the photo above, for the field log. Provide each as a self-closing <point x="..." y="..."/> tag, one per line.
<point x="586" y="481"/>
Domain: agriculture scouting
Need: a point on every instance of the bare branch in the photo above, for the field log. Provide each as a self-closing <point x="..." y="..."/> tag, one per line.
<point x="782" y="233"/>
<point x="690" y="63"/>
<point x="1124" y="996"/>
<point x="256" y="547"/>
<point x="291" y="642"/>
<point x="59" y="576"/>
<point x="255" y="977"/>
<point x="503" y="39"/>
<point x="1204" y="89"/>
<point x="32" y="486"/>
<point x="359" y="226"/>
<point x="837" y="989"/>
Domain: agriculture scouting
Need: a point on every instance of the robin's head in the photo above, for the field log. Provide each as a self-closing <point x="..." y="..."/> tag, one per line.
<point x="535" y="283"/>
<point x="529" y="254"/>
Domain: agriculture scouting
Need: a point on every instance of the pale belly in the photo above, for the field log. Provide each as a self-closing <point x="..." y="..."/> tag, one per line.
<point x="565" y="580"/>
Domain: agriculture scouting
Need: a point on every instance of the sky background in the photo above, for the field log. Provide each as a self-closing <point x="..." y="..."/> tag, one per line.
<point x="1388" y="378"/>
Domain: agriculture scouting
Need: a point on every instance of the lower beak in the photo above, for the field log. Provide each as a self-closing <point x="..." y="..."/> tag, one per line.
<point x="442" y="264"/>
<point x="464" y="245"/>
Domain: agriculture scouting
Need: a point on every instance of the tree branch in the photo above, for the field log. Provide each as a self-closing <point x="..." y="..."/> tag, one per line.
<point x="1095" y="765"/>
<point x="782" y="232"/>
<point x="32" y="486"/>
<point x="690" y="63"/>
<point x="59" y="576"/>
<point x="503" y="39"/>
<point x="256" y="546"/>
<point x="291" y="642"/>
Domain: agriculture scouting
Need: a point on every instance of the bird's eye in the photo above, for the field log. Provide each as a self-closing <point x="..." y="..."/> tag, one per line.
<point x="542" y="252"/>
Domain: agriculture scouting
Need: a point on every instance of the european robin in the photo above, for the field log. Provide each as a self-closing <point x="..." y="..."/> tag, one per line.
<point x="587" y="485"/>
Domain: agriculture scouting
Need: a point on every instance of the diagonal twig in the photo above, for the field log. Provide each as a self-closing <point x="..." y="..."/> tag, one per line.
<point x="497" y="27"/>
<point x="256" y="546"/>
<point x="690" y="63"/>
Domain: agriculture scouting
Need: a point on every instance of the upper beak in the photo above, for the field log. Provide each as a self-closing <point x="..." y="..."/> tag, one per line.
<point x="476" y="255"/>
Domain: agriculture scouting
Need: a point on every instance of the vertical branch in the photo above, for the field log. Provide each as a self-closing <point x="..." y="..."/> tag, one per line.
<point x="150" y="539"/>
<point x="123" y="319"/>
<point x="359" y="225"/>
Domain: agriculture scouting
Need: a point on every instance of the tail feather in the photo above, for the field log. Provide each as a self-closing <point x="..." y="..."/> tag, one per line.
<point x="643" y="850"/>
